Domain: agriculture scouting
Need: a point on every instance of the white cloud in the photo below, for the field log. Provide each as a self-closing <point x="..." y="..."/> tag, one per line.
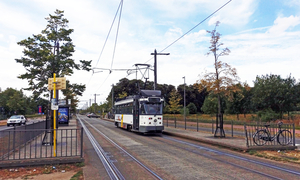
<point x="282" y="24"/>
<point x="16" y="19"/>
<point x="236" y="13"/>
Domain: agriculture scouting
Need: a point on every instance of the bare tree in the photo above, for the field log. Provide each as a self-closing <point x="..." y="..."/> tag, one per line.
<point x="222" y="80"/>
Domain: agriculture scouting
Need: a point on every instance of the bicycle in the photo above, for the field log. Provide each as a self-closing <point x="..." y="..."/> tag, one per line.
<point x="283" y="137"/>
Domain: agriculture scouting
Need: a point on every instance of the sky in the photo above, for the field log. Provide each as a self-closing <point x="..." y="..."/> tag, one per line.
<point x="262" y="35"/>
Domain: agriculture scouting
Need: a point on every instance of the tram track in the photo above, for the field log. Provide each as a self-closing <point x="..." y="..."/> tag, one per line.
<point x="111" y="169"/>
<point x="221" y="153"/>
<point x="168" y="148"/>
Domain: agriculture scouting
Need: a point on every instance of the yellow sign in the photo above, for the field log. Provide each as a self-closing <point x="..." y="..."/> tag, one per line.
<point x="60" y="83"/>
<point x="122" y="121"/>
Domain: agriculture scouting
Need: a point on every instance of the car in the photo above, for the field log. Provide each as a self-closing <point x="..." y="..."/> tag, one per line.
<point x="92" y="115"/>
<point x="16" y="120"/>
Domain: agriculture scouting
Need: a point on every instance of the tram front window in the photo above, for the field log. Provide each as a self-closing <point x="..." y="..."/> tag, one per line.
<point x="151" y="109"/>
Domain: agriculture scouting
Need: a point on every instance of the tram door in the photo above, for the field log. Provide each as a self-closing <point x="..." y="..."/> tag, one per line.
<point x="136" y="121"/>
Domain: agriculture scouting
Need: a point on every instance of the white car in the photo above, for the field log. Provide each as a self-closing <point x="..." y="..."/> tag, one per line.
<point x="16" y="119"/>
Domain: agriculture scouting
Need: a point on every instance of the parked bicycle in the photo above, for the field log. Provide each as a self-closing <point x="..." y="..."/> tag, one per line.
<point x="262" y="136"/>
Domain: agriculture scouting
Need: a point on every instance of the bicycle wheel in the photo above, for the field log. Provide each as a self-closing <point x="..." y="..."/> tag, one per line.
<point x="260" y="137"/>
<point x="284" y="137"/>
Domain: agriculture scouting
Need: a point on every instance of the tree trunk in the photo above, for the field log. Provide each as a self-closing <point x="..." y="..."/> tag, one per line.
<point x="219" y="104"/>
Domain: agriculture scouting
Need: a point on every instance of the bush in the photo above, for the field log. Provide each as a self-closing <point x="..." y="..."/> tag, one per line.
<point x="268" y="115"/>
<point x="192" y="108"/>
<point x="187" y="111"/>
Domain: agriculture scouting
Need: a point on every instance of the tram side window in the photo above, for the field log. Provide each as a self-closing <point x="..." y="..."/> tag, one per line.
<point x="124" y="109"/>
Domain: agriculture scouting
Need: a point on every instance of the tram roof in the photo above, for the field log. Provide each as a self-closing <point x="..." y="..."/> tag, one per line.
<point x="151" y="93"/>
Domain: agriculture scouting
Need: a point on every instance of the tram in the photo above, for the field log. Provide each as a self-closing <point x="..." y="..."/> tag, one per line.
<point x="140" y="113"/>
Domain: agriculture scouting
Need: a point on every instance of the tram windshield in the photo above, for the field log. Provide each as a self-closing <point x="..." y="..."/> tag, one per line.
<point x="151" y="108"/>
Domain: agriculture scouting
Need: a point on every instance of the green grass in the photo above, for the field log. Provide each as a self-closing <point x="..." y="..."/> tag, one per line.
<point x="80" y="164"/>
<point x="77" y="175"/>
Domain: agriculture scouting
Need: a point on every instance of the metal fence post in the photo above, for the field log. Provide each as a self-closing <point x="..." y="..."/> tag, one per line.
<point x="167" y="122"/>
<point x="231" y="128"/>
<point x="197" y="124"/>
<point x="294" y="139"/>
<point x="175" y="122"/>
<point x="246" y="135"/>
<point x="212" y="126"/>
<point x="14" y="141"/>
<point x="81" y="148"/>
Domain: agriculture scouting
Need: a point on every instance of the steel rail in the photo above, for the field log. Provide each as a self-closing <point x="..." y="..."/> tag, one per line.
<point x="123" y="150"/>
<point x="111" y="170"/>
<point x="235" y="157"/>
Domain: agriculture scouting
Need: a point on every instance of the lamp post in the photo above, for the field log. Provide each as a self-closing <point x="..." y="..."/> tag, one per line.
<point x="184" y="103"/>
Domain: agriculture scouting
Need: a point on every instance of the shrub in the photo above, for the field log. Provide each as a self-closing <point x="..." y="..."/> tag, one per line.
<point x="268" y="115"/>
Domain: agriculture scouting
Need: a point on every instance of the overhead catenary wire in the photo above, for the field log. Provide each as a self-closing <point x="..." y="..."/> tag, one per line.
<point x="192" y="28"/>
<point x="116" y="39"/>
<point x="120" y="5"/>
<point x="119" y="10"/>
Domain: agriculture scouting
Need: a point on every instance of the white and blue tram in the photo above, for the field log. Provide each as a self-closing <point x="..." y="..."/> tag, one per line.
<point x="140" y="113"/>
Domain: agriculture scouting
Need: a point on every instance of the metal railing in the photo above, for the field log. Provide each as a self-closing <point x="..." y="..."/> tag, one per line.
<point x="29" y="143"/>
<point x="2" y="117"/>
<point x="271" y="134"/>
<point x="231" y="128"/>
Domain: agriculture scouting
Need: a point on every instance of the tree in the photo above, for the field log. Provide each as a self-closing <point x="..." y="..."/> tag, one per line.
<point x="221" y="80"/>
<point x="273" y="92"/>
<point x="14" y="101"/>
<point x="41" y="62"/>
<point x="123" y="94"/>
<point x="224" y="77"/>
<point x="210" y="105"/>
<point x="192" y="95"/>
<point x="238" y="102"/>
<point x="174" y="105"/>
<point x="192" y="108"/>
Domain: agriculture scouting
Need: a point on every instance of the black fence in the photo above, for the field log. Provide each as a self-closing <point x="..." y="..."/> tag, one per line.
<point x="231" y="128"/>
<point x="34" y="142"/>
<point x="2" y="117"/>
<point x="256" y="134"/>
<point x="271" y="134"/>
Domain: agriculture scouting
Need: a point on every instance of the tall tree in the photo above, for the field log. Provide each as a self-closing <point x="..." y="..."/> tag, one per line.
<point x="271" y="91"/>
<point x="50" y="52"/>
<point x="224" y="77"/>
<point x="174" y="105"/>
<point x="221" y="81"/>
<point x="236" y="104"/>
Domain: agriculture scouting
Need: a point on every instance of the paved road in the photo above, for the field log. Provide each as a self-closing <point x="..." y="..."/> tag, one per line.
<point x="11" y="127"/>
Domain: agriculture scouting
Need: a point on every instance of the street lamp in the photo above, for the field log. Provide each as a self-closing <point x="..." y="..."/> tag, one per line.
<point x="184" y="103"/>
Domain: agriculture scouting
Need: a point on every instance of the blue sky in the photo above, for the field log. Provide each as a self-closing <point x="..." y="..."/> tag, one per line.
<point x="263" y="36"/>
